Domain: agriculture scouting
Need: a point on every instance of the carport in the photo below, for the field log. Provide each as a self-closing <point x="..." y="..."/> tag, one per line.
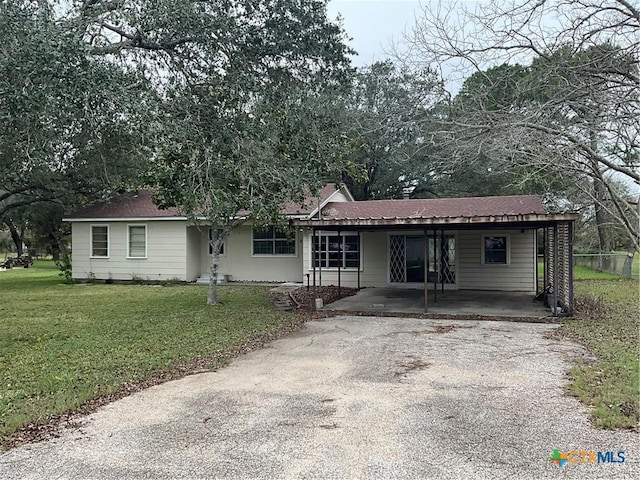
<point x="432" y="218"/>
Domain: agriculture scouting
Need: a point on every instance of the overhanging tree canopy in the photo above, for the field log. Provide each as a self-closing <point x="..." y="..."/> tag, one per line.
<point x="573" y="112"/>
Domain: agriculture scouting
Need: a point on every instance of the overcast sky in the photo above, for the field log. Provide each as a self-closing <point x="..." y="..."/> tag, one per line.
<point x="373" y="24"/>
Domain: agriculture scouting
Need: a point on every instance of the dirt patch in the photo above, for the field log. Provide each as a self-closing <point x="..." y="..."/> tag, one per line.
<point x="444" y="328"/>
<point x="304" y="299"/>
<point x="410" y="365"/>
<point x="436" y="329"/>
<point x="307" y="298"/>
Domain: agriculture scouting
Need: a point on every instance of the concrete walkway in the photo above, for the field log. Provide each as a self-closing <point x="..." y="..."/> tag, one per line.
<point x="350" y="398"/>
<point x="451" y="302"/>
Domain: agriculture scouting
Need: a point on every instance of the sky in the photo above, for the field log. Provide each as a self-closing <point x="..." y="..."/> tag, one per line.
<point x="373" y="24"/>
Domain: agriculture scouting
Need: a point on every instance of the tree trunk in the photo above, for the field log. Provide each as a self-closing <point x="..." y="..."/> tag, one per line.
<point x="63" y="262"/>
<point x="627" y="267"/>
<point x="603" y="223"/>
<point x="216" y="243"/>
<point x="628" y="264"/>
<point x="15" y="235"/>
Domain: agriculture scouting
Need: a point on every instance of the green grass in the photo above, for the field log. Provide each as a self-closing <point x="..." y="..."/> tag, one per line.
<point x="584" y="273"/>
<point x="62" y="345"/>
<point x="607" y="323"/>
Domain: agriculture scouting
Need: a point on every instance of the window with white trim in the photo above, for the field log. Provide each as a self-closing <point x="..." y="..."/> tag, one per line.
<point x="137" y="241"/>
<point x="331" y="251"/>
<point x="271" y="241"/>
<point x="495" y="249"/>
<point x="100" y="241"/>
<point x="222" y="245"/>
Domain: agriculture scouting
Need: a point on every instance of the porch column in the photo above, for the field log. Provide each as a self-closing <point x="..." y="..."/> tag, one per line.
<point x="570" y="254"/>
<point x="555" y="269"/>
<point x="564" y="241"/>
<point x="359" y="257"/>
<point x="426" y="270"/>
<point x="342" y="255"/>
<point x="435" y="266"/>
<point x="320" y="255"/>
<point x="313" y="255"/>
<point x="442" y="250"/>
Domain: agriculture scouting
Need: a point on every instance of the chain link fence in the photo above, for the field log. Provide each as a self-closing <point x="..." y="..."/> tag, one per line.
<point x="616" y="262"/>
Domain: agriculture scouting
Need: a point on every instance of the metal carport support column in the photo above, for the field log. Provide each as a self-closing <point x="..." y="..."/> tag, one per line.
<point x="426" y="270"/>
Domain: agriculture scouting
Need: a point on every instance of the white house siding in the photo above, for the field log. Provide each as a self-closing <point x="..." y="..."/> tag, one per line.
<point x="373" y="263"/>
<point x="239" y="262"/>
<point x="517" y="276"/>
<point x="339" y="196"/>
<point x="166" y="247"/>
<point x="192" y="253"/>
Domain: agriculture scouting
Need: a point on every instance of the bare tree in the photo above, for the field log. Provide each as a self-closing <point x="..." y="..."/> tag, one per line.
<point x="567" y="105"/>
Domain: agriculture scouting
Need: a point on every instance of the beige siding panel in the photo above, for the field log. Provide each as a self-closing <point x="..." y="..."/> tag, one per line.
<point x="239" y="262"/>
<point x="339" y="197"/>
<point x="373" y="273"/>
<point x="193" y="252"/>
<point x="166" y="250"/>
<point x="518" y="275"/>
<point x="80" y="249"/>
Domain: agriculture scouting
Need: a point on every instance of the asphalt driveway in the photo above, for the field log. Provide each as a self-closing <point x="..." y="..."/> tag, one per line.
<point x="351" y="397"/>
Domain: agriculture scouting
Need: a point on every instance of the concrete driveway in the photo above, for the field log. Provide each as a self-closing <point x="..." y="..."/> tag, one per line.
<point x="351" y="397"/>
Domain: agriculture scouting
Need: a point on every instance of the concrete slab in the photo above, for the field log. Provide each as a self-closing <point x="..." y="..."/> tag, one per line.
<point x="451" y="302"/>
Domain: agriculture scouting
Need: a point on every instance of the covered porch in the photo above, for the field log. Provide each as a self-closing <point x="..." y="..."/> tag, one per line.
<point x="505" y="285"/>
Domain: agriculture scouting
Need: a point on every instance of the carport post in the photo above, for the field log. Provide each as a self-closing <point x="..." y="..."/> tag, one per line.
<point x="435" y="266"/>
<point x="570" y="306"/>
<point x="342" y="253"/>
<point x="442" y="255"/>
<point x="426" y="270"/>
<point x="359" y="257"/>
<point x="555" y="269"/>
<point x="313" y="255"/>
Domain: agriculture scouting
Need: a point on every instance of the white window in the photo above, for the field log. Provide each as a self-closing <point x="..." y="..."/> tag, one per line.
<point x="137" y="242"/>
<point x="100" y="241"/>
<point x="271" y="241"/>
<point x="222" y="246"/>
<point x="331" y="251"/>
<point x="495" y="249"/>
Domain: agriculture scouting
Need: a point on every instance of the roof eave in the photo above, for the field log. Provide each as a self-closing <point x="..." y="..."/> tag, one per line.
<point x="297" y="216"/>
<point x="533" y="218"/>
<point x="121" y="219"/>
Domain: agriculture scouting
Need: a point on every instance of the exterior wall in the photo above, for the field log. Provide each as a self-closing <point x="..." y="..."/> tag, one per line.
<point x="517" y="276"/>
<point x="471" y="274"/>
<point x="175" y="251"/>
<point x="239" y="262"/>
<point x="373" y="263"/>
<point x="192" y="253"/>
<point x="166" y="250"/>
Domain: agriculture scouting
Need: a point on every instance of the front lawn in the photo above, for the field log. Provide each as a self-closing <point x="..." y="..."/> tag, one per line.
<point x="607" y="323"/>
<point x="62" y="345"/>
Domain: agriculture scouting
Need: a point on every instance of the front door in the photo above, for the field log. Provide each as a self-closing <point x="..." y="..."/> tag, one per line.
<point x="407" y="254"/>
<point x="414" y="259"/>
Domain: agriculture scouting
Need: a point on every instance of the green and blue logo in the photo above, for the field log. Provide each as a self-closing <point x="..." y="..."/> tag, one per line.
<point x="586" y="456"/>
